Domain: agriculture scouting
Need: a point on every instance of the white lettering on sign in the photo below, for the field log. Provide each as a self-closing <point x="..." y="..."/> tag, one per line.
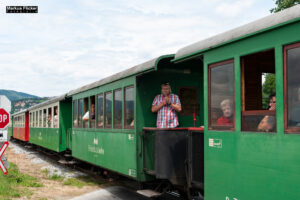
<point x="217" y="143"/>
<point x="132" y="172"/>
<point x="3" y="118"/>
<point x="130" y="137"/>
<point x="97" y="150"/>
<point x="227" y="198"/>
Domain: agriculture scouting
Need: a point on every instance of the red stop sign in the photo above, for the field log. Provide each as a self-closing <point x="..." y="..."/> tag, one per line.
<point x="4" y="118"/>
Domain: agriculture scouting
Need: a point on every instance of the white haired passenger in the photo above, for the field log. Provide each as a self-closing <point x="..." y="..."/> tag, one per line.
<point x="227" y="118"/>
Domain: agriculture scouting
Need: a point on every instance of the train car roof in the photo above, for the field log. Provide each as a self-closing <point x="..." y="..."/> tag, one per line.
<point x="20" y="112"/>
<point x="138" y="69"/>
<point x="264" y="24"/>
<point x="50" y="101"/>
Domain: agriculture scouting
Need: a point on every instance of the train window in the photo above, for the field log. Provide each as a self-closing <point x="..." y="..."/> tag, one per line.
<point x="118" y="108"/>
<point x="36" y="118"/>
<point x="108" y="109"/>
<point x="129" y="107"/>
<point x="45" y="118"/>
<point x="30" y="119"/>
<point x="49" y="118"/>
<point x="221" y="96"/>
<point x="56" y="117"/>
<point x="33" y="119"/>
<point x="85" y="117"/>
<point x="100" y="111"/>
<point x="258" y="92"/>
<point x="92" y="112"/>
<point x="40" y="118"/>
<point x="80" y="112"/>
<point x="292" y="87"/>
<point x="189" y="101"/>
<point x="75" y="109"/>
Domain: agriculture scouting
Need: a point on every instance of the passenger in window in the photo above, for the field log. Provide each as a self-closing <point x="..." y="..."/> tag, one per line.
<point x="267" y="124"/>
<point x="49" y="120"/>
<point x="86" y="116"/>
<point x="166" y="105"/>
<point x="294" y="119"/>
<point x="227" y="118"/>
<point x="55" y="122"/>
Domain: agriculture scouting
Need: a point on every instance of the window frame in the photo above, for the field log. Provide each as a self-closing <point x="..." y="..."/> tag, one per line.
<point x="104" y="116"/>
<point x="97" y="120"/>
<point x="74" y="105"/>
<point x="80" y="122"/>
<point x="119" y="126"/>
<point x="211" y="66"/>
<point x="294" y="130"/>
<point x="124" y="116"/>
<point x="90" y="113"/>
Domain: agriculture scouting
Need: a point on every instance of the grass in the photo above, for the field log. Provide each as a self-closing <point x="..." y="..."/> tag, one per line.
<point x="81" y="181"/>
<point x="16" y="184"/>
<point x="55" y="177"/>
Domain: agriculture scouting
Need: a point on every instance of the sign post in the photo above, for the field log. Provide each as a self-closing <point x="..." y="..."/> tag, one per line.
<point x="4" y="120"/>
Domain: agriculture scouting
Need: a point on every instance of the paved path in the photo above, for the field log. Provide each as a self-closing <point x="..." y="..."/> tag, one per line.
<point x="112" y="193"/>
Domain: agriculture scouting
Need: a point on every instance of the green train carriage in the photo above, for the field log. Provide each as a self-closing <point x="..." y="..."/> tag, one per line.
<point x="114" y="137"/>
<point x="50" y="124"/>
<point x="242" y="162"/>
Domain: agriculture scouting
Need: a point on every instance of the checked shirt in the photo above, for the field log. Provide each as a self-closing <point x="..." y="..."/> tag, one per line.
<point x="166" y="116"/>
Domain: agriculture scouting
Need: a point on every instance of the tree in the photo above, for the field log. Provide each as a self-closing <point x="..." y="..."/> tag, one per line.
<point x="283" y="4"/>
<point x="268" y="88"/>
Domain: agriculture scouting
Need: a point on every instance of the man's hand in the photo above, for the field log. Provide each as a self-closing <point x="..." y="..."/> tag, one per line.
<point x="176" y="107"/>
<point x="166" y="100"/>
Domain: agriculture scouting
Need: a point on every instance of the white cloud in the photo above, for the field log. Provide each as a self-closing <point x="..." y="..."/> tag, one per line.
<point x="71" y="43"/>
<point x="234" y="8"/>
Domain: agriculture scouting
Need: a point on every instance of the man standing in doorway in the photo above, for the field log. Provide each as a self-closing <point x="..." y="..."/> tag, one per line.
<point x="166" y="105"/>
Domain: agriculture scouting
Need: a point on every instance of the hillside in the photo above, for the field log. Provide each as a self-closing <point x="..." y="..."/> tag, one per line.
<point x="21" y="100"/>
<point x="14" y="95"/>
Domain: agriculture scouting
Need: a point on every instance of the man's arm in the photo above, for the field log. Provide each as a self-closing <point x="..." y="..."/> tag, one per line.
<point x="156" y="108"/>
<point x="176" y="107"/>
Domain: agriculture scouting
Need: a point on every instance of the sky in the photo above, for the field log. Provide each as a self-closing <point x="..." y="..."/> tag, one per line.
<point x="71" y="43"/>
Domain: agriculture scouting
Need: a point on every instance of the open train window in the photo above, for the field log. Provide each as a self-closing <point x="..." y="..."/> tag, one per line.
<point x="85" y="117"/>
<point x="189" y="101"/>
<point x="258" y="92"/>
<point x="129" y="107"/>
<point x="37" y="119"/>
<point x="108" y="109"/>
<point x="56" y="117"/>
<point x="75" y="109"/>
<point x="45" y="118"/>
<point x="100" y="111"/>
<point x="292" y="88"/>
<point x="30" y="119"/>
<point x="33" y="119"/>
<point x="118" y="108"/>
<point x="221" y="96"/>
<point x="92" y="112"/>
<point x="49" y="118"/>
<point x="80" y="112"/>
<point x="40" y="118"/>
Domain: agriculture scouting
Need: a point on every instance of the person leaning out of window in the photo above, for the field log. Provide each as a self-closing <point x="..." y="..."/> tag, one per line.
<point x="267" y="124"/>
